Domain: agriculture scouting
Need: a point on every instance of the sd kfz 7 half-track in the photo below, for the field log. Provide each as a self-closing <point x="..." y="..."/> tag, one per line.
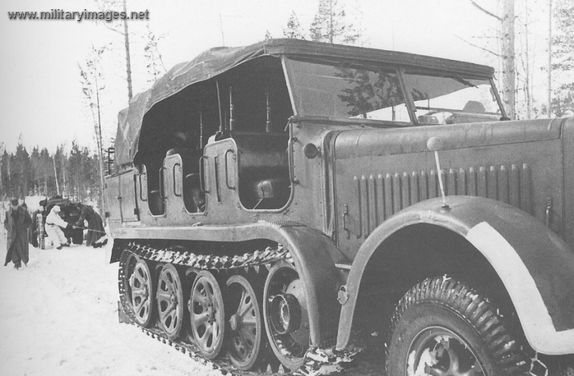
<point x="284" y="205"/>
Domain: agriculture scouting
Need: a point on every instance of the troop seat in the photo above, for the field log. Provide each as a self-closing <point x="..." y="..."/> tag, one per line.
<point x="152" y="164"/>
<point x="263" y="169"/>
<point x="193" y="198"/>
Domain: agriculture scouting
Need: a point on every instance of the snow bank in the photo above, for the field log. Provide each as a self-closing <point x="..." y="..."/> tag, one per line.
<point x="59" y="317"/>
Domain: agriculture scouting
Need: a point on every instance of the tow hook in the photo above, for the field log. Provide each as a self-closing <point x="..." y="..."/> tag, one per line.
<point x="537" y="367"/>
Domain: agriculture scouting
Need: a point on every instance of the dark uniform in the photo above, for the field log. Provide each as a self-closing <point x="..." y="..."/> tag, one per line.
<point x="16" y="223"/>
<point x="95" y="224"/>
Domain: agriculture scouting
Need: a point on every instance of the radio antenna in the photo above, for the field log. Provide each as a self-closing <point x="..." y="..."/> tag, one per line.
<point x="435" y="144"/>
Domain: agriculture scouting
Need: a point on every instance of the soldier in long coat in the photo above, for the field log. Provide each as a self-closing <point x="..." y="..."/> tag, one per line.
<point x="16" y="223"/>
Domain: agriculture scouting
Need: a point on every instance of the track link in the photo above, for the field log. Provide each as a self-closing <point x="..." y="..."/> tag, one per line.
<point x="317" y="361"/>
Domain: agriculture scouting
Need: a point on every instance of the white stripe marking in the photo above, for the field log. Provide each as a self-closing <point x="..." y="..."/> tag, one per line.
<point x="536" y="322"/>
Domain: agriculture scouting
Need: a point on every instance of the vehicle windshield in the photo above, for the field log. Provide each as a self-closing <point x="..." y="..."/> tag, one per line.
<point x="346" y="91"/>
<point x="451" y="99"/>
<point x="369" y="92"/>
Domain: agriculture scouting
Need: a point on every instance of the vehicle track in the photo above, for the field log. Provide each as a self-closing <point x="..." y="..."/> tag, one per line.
<point x="317" y="361"/>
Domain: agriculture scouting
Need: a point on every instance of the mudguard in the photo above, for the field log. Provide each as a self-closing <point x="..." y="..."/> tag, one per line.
<point x="534" y="264"/>
<point x="314" y="255"/>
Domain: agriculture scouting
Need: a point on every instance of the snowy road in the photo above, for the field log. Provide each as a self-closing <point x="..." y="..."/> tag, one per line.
<point x="58" y="316"/>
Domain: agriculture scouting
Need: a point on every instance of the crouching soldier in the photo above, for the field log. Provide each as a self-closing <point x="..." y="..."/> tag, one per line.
<point x="54" y="225"/>
<point x="95" y="225"/>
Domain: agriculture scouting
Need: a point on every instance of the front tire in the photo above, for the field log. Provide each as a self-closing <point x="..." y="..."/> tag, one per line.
<point x="443" y="327"/>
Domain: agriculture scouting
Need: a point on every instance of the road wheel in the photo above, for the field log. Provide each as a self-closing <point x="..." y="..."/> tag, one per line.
<point x="141" y="291"/>
<point x="207" y="314"/>
<point x="441" y="327"/>
<point x="286" y="315"/>
<point x="170" y="301"/>
<point x="245" y="323"/>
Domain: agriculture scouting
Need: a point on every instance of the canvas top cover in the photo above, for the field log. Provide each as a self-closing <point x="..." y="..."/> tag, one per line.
<point x="216" y="61"/>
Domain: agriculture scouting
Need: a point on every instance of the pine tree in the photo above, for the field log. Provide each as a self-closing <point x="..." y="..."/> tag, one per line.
<point x="74" y="167"/>
<point x="331" y="24"/>
<point x="4" y="174"/>
<point x="47" y="173"/>
<point x="563" y="57"/>
<point x="35" y="170"/>
<point x="20" y="171"/>
<point x="293" y="28"/>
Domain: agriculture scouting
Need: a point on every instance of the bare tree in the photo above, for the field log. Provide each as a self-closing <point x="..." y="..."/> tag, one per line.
<point x="91" y="80"/>
<point x="508" y="56"/>
<point x="506" y="53"/>
<point x="2" y="150"/>
<point x="123" y="30"/>
<point x="154" y="60"/>
<point x="526" y="64"/>
<point x="56" y="173"/>
<point x="562" y="62"/>
<point x="549" y="105"/>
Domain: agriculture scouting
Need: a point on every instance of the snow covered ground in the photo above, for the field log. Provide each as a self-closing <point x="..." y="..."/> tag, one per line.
<point x="59" y="316"/>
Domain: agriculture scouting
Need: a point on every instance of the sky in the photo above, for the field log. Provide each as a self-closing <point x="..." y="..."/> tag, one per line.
<point x="41" y="102"/>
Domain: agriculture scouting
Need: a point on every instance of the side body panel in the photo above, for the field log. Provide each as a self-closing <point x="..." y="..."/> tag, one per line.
<point x="112" y="194"/>
<point x="310" y="203"/>
<point x="128" y="201"/>
<point x="378" y="173"/>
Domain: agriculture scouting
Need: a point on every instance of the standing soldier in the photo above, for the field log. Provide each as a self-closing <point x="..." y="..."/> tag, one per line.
<point x="53" y="224"/>
<point x="16" y="223"/>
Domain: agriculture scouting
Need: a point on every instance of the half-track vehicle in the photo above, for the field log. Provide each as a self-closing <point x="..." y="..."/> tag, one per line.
<point x="291" y="202"/>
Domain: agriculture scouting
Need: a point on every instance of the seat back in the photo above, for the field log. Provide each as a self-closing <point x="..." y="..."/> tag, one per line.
<point x="263" y="170"/>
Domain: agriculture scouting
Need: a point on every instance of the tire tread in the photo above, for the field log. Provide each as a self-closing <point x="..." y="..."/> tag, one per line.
<point x="477" y="311"/>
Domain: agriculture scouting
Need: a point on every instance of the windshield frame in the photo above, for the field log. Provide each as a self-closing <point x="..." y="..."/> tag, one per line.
<point x="399" y="71"/>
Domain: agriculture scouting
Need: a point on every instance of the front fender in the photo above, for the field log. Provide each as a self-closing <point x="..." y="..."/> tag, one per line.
<point x="534" y="264"/>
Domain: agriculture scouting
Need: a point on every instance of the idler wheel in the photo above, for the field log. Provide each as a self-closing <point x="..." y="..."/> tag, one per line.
<point x="141" y="291"/>
<point x="207" y="315"/>
<point x="286" y="315"/>
<point x="245" y="323"/>
<point x="170" y="301"/>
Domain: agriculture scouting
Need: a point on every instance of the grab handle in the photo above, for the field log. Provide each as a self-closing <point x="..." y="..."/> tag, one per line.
<point x="202" y="185"/>
<point x="229" y="186"/>
<point x="175" y="180"/>
<point x="162" y="182"/>
<point x="141" y="188"/>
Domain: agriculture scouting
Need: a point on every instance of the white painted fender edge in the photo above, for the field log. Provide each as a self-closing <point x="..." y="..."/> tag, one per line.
<point x="532" y="312"/>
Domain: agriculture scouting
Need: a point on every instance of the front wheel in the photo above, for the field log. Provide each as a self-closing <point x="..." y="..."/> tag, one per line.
<point x="442" y="327"/>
